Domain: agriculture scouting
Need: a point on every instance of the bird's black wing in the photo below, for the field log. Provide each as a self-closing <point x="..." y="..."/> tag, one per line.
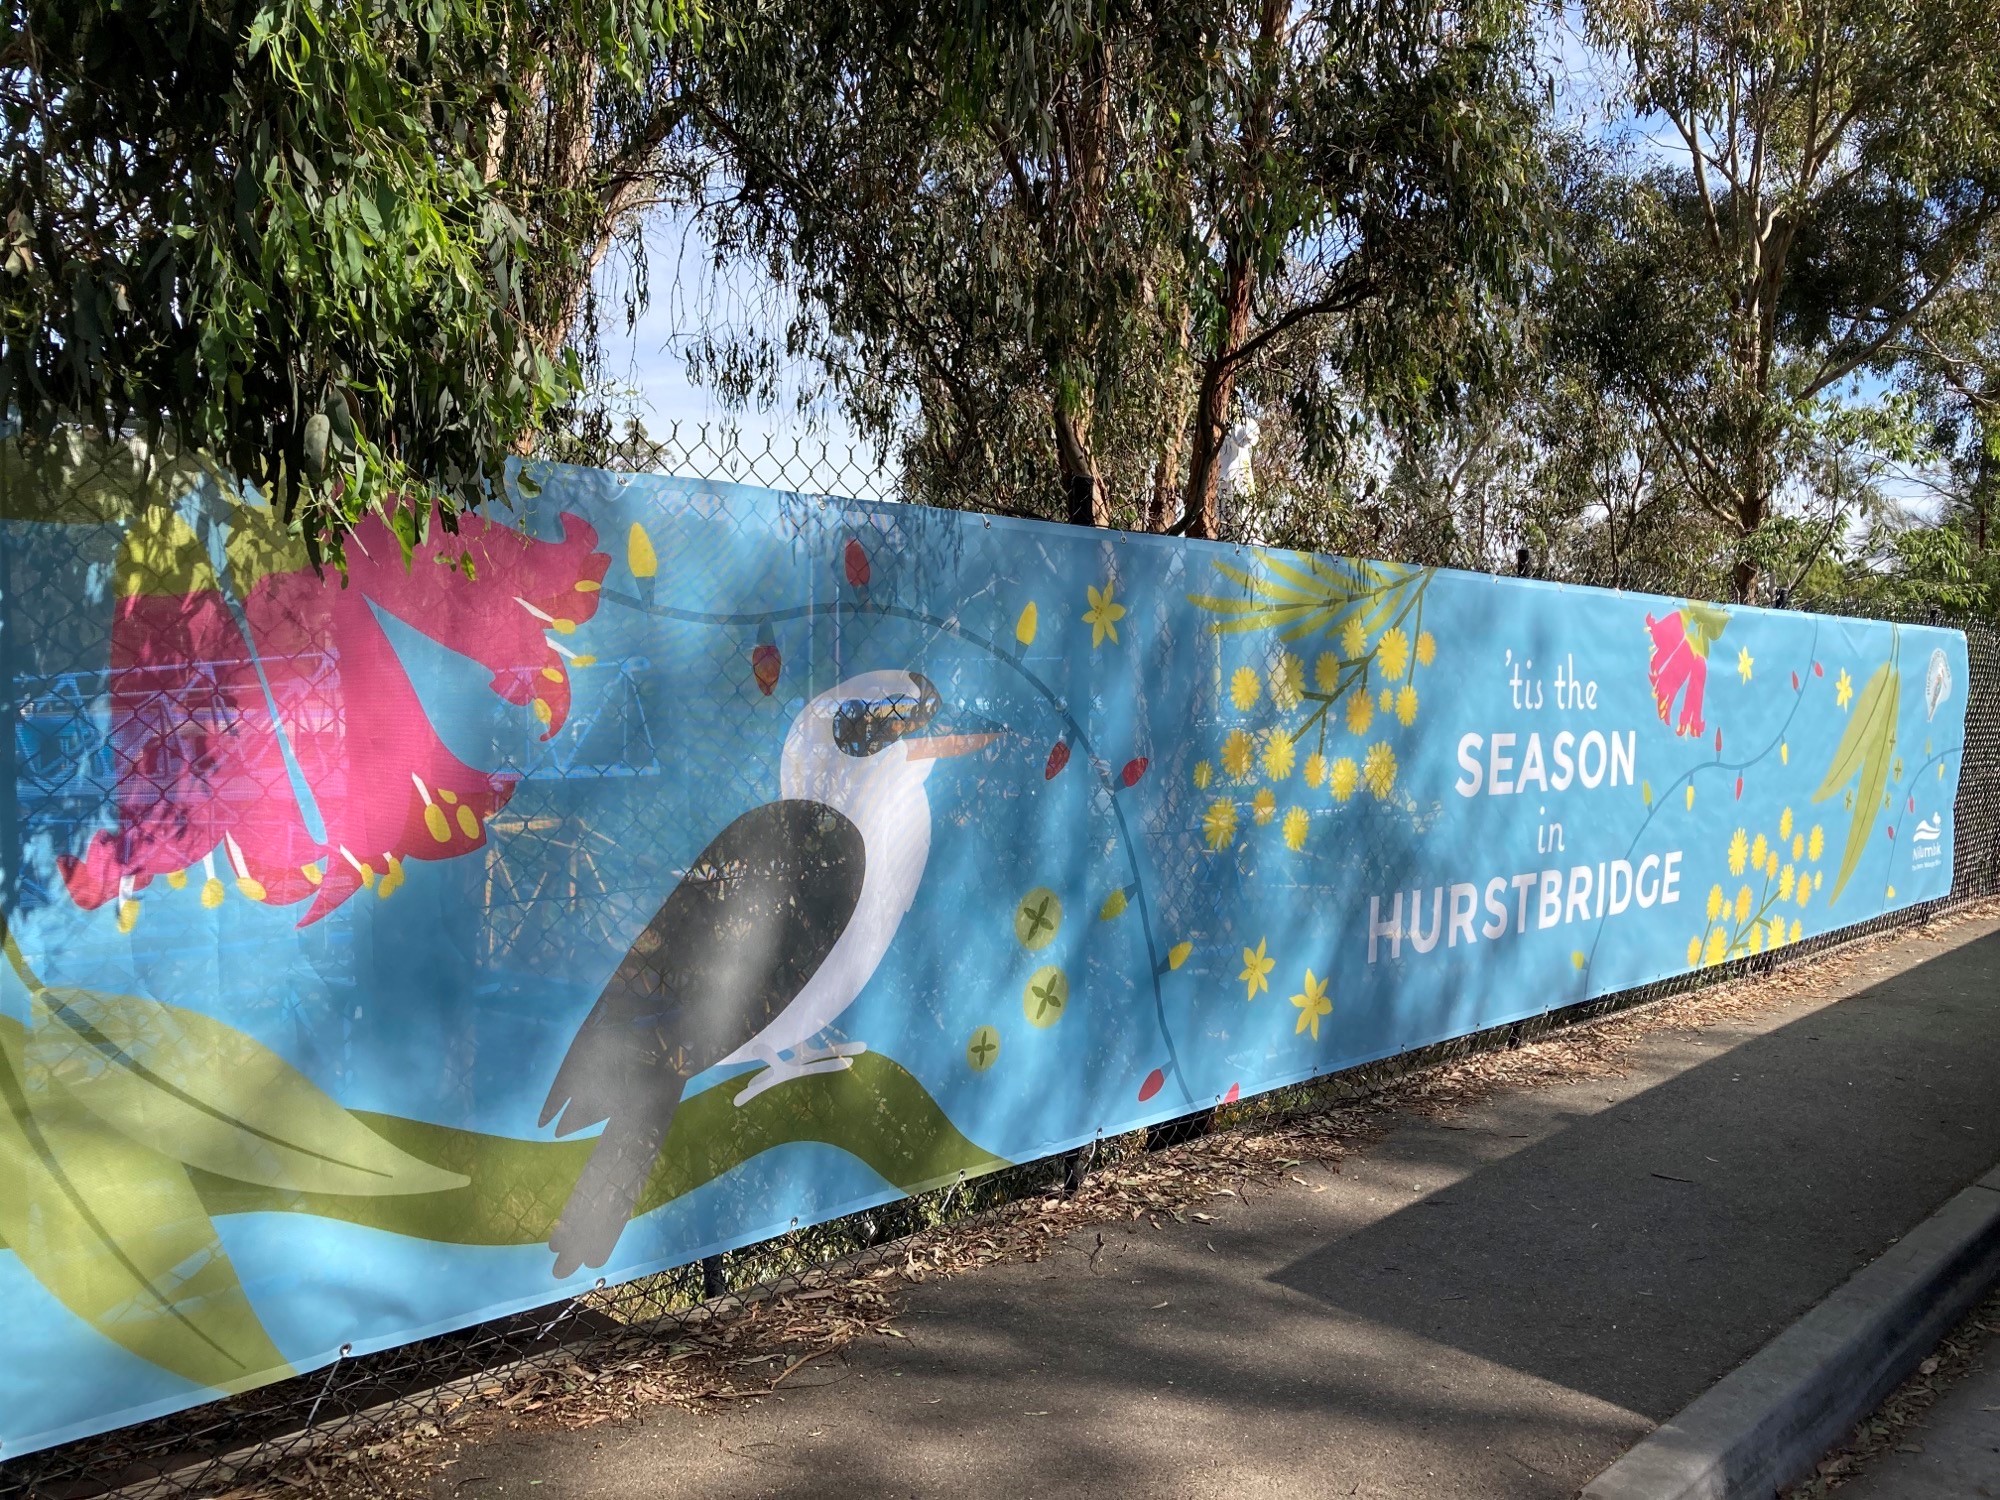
<point x="732" y="945"/>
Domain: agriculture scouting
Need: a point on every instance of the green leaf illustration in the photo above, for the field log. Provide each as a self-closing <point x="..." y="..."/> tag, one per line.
<point x="117" y="1234"/>
<point x="516" y="1188"/>
<point x="1703" y="623"/>
<point x="200" y="1091"/>
<point x="1865" y="750"/>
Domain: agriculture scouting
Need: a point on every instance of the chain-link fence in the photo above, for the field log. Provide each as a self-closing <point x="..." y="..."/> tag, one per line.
<point x="55" y="755"/>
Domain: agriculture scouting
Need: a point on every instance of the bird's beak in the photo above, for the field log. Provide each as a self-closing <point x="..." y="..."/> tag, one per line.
<point x="941" y="746"/>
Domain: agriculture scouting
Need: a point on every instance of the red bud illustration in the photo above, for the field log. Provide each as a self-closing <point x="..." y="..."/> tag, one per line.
<point x="1058" y="758"/>
<point x="1155" y="1081"/>
<point x="1134" y="769"/>
<point x="1739" y="788"/>
<point x="1235" y="1093"/>
<point x="1795" y="682"/>
<point x="855" y="559"/>
<point x="1818" y="670"/>
<point x="765" y="665"/>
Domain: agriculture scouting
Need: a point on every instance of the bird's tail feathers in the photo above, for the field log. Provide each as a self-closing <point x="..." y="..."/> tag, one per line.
<point x="608" y="1188"/>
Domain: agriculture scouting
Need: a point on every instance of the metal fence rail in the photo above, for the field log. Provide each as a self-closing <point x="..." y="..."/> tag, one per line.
<point x="209" y="1449"/>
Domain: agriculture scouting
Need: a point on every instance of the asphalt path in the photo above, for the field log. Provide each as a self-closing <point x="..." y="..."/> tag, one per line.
<point x="1494" y="1305"/>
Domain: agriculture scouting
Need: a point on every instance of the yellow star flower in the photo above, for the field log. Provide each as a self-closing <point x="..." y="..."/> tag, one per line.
<point x="1238" y="750"/>
<point x="1393" y="652"/>
<point x="1353" y="639"/>
<point x="1315" y="772"/>
<point x="1739" y="852"/>
<point x="1288" y="682"/>
<point x="1744" y="662"/>
<point x="1378" y="768"/>
<point x="1427" y="648"/>
<point x="1218" y="824"/>
<point x="1204" y="773"/>
<point x="1342" y="778"/>
<point x="1294" y="827"/>
<point x="1257" y="966"/>
<point x="1843" y="688"/>
<point x="1264" y="806"/>
<point x="1360" y="711"/>
<point x="1406" y="705"/>
<point x="1313" y="1005"/>
<point x="1103" y="615"/>
<point x="1326" y="672"/>
<point x="1244" y="689"/>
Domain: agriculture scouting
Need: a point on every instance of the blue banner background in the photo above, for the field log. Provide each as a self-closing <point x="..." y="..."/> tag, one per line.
<point x="1212" y="771"/>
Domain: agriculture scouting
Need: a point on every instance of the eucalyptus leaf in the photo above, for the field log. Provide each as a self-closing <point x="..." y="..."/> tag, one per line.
<point x="117" y="1234"/>
<point x="1866" y="748"/>
<point x="213" y="1097"/>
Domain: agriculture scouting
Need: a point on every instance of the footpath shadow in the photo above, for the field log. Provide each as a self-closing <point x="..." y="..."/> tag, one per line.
<point x="1643" y="1251"/>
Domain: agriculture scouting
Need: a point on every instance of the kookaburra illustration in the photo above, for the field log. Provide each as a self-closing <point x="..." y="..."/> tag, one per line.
<point x="767" y="939"/>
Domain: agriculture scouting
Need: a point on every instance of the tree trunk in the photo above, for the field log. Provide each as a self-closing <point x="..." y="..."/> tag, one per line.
<point x="1218" y="375"/>
<point x="1084" y="500"/>
<point x="1211" y="415"/>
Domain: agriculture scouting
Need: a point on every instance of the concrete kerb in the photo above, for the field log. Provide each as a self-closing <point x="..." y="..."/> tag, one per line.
<point x="1767" y="1423"/>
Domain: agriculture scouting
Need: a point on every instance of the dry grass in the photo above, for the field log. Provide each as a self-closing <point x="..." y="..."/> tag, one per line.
<point x="750" y="1349"/>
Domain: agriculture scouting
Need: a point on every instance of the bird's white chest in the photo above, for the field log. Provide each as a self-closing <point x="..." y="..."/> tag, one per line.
<point x="898" y="845"/>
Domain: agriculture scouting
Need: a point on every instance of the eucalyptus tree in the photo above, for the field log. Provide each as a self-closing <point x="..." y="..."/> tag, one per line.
<point x="331" y="245"/>
<point x="1831" y="183"/>
<point x="1046" y="244"/>
<point x="1361" y="178"/>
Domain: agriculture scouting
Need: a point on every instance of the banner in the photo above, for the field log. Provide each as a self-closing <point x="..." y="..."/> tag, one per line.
<point x="664" y="865"/>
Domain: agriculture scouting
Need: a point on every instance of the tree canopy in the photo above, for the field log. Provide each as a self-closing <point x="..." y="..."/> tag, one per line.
<point x="1744" y="341"/>
<point x="327" y="243"/>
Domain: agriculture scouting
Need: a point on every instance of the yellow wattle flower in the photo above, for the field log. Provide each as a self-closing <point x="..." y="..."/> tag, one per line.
<point x="1343" y="778"/>
<point x="1245" y="689"/>
<point x="1295" y="827"/>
